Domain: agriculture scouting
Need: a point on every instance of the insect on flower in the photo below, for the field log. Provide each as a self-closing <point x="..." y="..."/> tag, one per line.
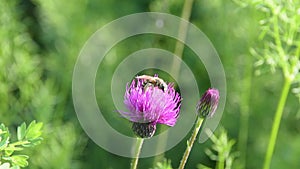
<point x="153" y="81"/>
<point x="150" y="101"/>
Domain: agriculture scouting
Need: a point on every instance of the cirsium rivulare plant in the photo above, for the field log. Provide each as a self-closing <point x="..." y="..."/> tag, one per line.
<point x="150" y="101"/>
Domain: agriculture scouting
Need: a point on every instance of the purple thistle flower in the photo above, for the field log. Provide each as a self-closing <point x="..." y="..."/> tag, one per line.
<point x="149" y="104"/>
<point x="208" y="103"/>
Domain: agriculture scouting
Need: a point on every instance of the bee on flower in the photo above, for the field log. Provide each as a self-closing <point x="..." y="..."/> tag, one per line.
<point x="150" y="101"/>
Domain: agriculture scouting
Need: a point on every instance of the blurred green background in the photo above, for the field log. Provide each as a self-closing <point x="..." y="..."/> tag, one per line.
<point x="39" y="44"/>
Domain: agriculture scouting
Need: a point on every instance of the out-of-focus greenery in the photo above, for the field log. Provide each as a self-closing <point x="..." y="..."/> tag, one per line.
<point x="28" y="92"/>
<point x="39" y="44"/>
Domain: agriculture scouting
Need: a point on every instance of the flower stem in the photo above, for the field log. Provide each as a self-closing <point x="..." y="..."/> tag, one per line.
<point x="138" y="147"/>
<point x="276" y="122"/>
<point x="191" y="142"/>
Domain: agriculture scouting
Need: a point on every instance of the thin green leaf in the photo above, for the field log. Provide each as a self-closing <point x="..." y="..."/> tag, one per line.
<point x="21" y="131"/>
<point x="33" y="142"/>
<point x="13" y="149"/>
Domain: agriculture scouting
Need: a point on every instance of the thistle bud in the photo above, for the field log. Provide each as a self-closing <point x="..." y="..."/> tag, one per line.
<point x="208" y="103"/>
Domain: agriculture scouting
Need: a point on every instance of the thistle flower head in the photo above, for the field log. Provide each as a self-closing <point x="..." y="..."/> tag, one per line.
<point x="148" y="104"/>
<point x="208" y="103"/>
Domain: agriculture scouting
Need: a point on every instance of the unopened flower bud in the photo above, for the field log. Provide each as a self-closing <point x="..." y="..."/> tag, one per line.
<point x="208" y="103"/>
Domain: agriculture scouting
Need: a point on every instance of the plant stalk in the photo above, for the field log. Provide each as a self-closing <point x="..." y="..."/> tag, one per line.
<point x="138" y="147"/>
<point x="182" y="32"/>
<point x="276" y="123"/>
<point x="191" y="142"/>
<point x="221" y="163"/>
<point x="244" y="114"/>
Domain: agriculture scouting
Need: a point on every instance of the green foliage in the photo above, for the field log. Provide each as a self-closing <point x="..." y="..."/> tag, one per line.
<point x="165" y="164"/>
<point x="26" y="137"/>
<point x="60" y="149"/>
<point x="279" y="28"/>
<point x="28" y="92"/>
<point x="281" y="38"/>
<point x="220" y="150"/>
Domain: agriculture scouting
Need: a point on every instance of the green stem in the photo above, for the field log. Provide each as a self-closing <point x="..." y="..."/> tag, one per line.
<point x="277" y="37"/>
<point x="221" y="163"/>
<point x="243" y="134"/>
<point x="278" y="43"/>
<point x="244" y="115"/>
<point x="276" y="123"/>
<point x="182" y="32"/>
<point x="191" y="142"/>
<point x="139" y="143"/>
